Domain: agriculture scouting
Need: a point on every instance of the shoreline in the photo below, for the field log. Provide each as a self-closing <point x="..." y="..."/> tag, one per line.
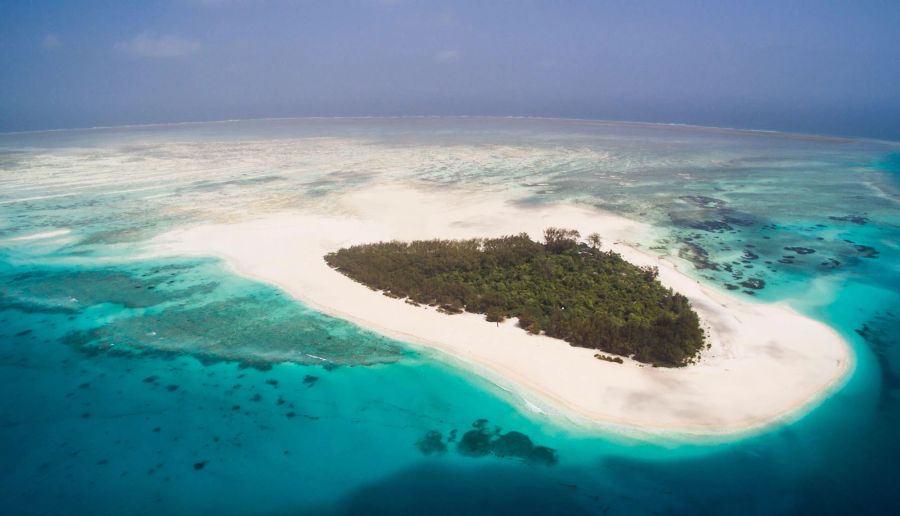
<point x="766" y="363"/>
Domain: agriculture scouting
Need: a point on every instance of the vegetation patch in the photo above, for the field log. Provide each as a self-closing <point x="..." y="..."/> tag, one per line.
<point x="563" y="287"/>
<point x="608" y="358"/>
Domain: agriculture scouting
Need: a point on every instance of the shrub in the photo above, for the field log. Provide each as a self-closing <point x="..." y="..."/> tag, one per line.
<point x="563" y="288"/>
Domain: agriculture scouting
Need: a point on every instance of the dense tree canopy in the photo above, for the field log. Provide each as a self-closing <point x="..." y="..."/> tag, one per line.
<point x="563" y="288"/>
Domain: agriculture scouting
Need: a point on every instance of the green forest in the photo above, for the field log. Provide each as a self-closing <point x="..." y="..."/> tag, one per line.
<point x="564" y="288"/>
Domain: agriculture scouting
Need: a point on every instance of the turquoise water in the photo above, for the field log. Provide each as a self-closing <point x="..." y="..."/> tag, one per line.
<point x="173" y="386"/>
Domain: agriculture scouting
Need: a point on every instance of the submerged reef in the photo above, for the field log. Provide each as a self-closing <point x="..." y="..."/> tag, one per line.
<point x="697" y="255"/>
<point x="703" y="201"/>
<point x="432" y="442"/>
<point x="853" y="219"/>
<point x="483" y="440"/>
<point x="188" y="307"/>
<point x="774" y="248"/>
<point x="710" y="214"/>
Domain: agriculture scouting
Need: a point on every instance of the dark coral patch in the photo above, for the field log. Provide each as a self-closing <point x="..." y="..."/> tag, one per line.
<point x="432" y="442"/>
<point x="866" y="251"/>
<point x="542" y="455"/>
<point x="854" y="219"/>
<point x="830" y="263"/>
<point x="482" y="441"/>
<point x="703" y="201"/>
<point x="800" y="250"/>
<point x="310" y="380"/>
<point x="754" y="283"/>
<point x="474" y="443"/>
<point x="710" y="225"/>
<point x="512" y="444"/>
<point x="698" y="256"/>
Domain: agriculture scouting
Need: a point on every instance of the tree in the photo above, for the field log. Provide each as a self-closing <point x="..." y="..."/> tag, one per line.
<point x="594" y="240"/>
<point x="559" y="240"/>
<point x="651" y="272"/>
<point x="495" y="314"/>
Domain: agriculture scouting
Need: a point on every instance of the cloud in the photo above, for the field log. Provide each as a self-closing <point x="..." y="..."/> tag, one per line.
<point x="50" y="41"/>
<point x="158" y="46"/>
<point x="447" y="56"/>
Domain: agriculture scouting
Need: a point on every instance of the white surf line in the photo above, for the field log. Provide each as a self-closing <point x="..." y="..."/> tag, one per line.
<point x="114" y="192"/>
<point x="102" y="181"/>
<point x="37" y="198"/>
<point x="39" y="236"/>
<point x="38" y="181"/>
<point x="80" y="185"/>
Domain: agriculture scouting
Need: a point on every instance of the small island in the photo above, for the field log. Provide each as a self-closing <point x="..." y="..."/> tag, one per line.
<point x="758" y="363"/>
<point x="564" y="288"/>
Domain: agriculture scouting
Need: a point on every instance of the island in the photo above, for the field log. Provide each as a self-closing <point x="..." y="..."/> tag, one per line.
<point x="563" y="288"/>
<point x="761" y="362"/>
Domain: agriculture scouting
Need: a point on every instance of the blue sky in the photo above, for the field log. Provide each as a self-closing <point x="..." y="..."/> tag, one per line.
<point x="820" y="67"/>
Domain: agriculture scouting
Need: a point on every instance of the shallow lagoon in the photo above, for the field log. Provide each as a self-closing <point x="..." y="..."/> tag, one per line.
<point x="137" y="386"/>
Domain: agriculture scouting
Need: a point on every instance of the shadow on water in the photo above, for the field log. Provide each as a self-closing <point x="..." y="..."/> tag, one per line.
<point x="879" y="333"/>
<point x="438" y="489"/>
<point x="766" y="481"/>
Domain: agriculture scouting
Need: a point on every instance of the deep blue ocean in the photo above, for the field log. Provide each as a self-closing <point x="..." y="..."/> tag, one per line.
<point x="131" y="385"/>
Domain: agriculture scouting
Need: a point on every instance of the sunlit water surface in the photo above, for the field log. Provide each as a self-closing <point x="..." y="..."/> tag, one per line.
<point x="137" y="386"/>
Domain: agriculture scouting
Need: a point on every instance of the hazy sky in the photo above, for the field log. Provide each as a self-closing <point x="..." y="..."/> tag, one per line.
<point x="824" y="67"/>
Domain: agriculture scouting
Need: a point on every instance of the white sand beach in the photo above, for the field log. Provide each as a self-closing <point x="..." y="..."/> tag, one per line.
<point x="766" y="362"/>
